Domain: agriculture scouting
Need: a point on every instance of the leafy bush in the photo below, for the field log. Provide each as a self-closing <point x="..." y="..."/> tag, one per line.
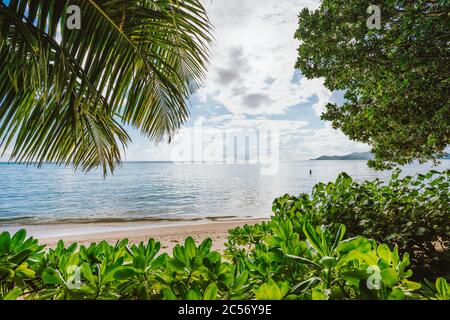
<point x="438" y="291"/>
<point x="18" y="261"/>
<point x="298" y="254"/>
<point x="324" y="265"/>
<point x="411" y="213"/>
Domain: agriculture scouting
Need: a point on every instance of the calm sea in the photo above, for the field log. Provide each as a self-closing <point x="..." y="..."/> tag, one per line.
<point x="158" y="190"/>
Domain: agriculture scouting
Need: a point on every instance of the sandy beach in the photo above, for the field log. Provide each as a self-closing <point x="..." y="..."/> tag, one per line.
<point x="169" y="234"/>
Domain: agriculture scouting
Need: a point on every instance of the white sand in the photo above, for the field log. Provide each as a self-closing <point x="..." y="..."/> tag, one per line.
<point x="169" y="234"/>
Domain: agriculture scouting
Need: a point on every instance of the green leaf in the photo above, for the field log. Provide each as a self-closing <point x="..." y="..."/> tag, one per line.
<point x="204" y="247"/>
<point x="12" y="295"/>
<point x="389" y="277"/>
<point x="193" y="294"/>
<point x="306" y="284"/>
<point x="328" y="262"/>
<point x="87" y="273"/>
<point x="305" y="260"/>
<point x="272" y="291"/>
<point x="52" y="276"/>
<point x="339" y="235"/>
<point x="190" y="247"/>
<point x="354" y="277"/>
<point x="358" y="243"/>
<point x="318" y="294"/>
<point x="411" y="285"/>
<point x="18" y="238"/>
<point x="384" y="253"/>
<point x="168" y="294"/>
<point x="396" y="294"/>
<point x="241" y="280"/>
<point x="5" y="243"/>
<point x="443" y="288"/>
<point x="313" y="238"/>
<point x="124" y="273"/>
<point x="210" y="292"/>
<point x="420" y="231"/>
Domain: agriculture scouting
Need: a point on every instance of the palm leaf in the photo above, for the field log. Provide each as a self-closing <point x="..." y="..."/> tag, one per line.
<point x="65" y="94"/>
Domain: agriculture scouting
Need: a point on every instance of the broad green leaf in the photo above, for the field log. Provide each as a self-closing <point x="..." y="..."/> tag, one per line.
<point x="396" y="294"/>
<point x="313" y="238"/>
<point x="190" y="247"/>
<point x="272" y="291"/>
<point x="125" y="273"/>
<point x="168" y="294"/>
<point x="318" y="294"/>
<point x="18" y="238"/>
<point x="52" y="276"/>
<point x="12" y="295"/>
<point x="87" y="273"/>
<point x="210" y="292"/>
<point x="193" y="294"/>
<point x="5" y="242"/>
<point x="389" y="277"/>
<point x="411" y="285"/>
<point x="384" y="253"/>
<point x="241" y="280"/>
<point x="443" y="288"/>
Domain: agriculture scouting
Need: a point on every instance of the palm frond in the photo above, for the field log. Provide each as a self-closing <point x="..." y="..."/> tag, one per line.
<point x="65" y="94"/>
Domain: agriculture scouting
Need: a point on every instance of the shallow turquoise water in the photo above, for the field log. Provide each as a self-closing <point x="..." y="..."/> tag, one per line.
<point x="150" y="190"/>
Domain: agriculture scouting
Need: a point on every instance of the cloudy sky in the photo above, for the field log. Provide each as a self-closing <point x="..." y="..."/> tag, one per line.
<point x="252" y="83"/>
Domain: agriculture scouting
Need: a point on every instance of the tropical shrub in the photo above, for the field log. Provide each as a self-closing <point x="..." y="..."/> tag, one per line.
<point x="18" y="261"/>
<point x="437" y="291"/>
<point x="324" y="265"/>
<point x="327" y="266"/>
<point x="412" y="213"/>
<point x="298" y="254"/>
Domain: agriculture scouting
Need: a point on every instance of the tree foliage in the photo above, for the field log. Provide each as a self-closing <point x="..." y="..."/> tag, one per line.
<point x="396" y="79"/>
<point x="67" y="94"/>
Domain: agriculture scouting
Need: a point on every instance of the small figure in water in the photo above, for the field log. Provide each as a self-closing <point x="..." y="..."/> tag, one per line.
<point x="310" y="172"/>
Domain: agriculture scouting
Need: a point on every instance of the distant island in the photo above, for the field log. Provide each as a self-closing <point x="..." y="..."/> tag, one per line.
<point x="359" y="156"/>
<point x="352" y="156"/>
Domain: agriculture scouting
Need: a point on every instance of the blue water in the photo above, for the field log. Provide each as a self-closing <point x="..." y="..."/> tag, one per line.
<point x="155" y="190"/>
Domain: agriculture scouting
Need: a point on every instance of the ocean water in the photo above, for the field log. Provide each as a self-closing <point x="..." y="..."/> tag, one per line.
<point x="160" y="190"/>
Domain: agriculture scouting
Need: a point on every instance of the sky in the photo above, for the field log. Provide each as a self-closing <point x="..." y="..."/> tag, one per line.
<point x="252" y="84"/>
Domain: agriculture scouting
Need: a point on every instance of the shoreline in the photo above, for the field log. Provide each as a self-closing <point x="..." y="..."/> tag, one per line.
<point x="169" y="234"/>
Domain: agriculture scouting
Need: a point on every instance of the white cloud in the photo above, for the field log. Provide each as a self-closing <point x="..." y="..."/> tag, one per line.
<point x="323" y="141"/>
<point x="251" y="75"/>
<point x="254" y="56"/>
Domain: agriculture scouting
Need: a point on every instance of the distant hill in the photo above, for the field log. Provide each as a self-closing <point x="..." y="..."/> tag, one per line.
<point x="360" y="156"/>
<point x="352" y="156"/>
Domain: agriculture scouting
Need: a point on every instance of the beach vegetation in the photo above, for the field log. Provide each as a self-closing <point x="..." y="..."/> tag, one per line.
<point x="410" y="213"/>
<point x="313" y="248"/>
